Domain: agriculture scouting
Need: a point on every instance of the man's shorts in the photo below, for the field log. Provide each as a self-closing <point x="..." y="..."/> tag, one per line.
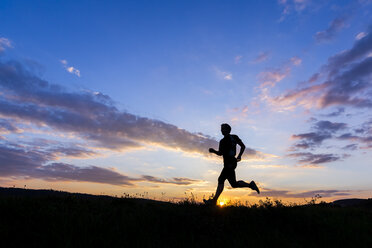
<point x="228" y="172"/>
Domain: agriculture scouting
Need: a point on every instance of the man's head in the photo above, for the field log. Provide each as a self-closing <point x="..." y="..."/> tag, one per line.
<point x="225" y="129"/>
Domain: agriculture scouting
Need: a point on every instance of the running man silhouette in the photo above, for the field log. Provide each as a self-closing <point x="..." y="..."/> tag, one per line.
<point x="227" y="149"/>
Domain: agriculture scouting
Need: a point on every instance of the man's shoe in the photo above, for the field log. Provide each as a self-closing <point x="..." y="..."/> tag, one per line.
<point x="254" y="186"/>
<point x="210" y="202"/>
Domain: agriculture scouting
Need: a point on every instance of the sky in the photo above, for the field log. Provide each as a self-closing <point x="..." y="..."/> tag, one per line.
<point x="126" y="97"/>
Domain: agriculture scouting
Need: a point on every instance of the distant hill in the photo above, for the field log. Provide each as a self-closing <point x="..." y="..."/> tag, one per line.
<point x="37" y="193"/>
<point x="42" y="192"/>
<point x="48" y="218"/>
<point x="354" y="202"/>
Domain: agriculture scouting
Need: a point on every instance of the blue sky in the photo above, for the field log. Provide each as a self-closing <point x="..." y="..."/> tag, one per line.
<point x="127" y="96"/>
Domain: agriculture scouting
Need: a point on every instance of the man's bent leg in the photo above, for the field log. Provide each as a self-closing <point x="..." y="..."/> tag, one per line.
<point x="234" y="183"/>
<point x="242" y="184"/>
<point x="237" y="184"/>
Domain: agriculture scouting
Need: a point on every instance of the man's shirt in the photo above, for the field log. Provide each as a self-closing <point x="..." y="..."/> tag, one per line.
<point x="228" y="148"/>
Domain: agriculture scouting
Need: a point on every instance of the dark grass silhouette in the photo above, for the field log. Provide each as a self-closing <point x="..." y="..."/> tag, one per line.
<point x="32" y="218"/>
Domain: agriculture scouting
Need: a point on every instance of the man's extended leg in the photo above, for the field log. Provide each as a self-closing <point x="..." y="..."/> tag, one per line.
<point x="241" y="184"/>
<point x="221" y="182"/>
<point x="218" y="191"/>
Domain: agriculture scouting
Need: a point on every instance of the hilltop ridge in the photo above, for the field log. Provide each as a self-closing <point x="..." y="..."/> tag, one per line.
<point x="46" y="217"/>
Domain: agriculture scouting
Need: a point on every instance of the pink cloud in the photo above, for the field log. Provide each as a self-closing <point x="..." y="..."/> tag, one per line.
<point x="345" y="77"/>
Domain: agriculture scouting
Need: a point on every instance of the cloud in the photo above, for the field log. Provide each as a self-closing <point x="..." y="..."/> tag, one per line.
<point x="261" y="57"/>
<point x="91" y="116"/>
<point x="310" y="140"/>
<point x="7" y="126"/>
<point x="269" y="78"/>
<point x="336" y="113"/>
<point x="351" y="147"/>
<point x="175" y="180"/>
<point x="228" y="76"/>
<point x="290" y="6"/>
<point x="14" y="160"/>
<point x="238" y="59"/>
<point x="21" y="161"/>
<point x="223" y="74"/>
<point x="334" y="27"/>
<point x="70" y="69"/>
<point x="331" y="127"/>
<point x="346" y="81"/>
<point x="312" y="159"/>
<point x="68" y="172"/>
<point x="272" y="77"/>
<point x="360" y="136"/>
<point x="4" y="43"/>
<point x="356" y="138"/>
<point x="305" y="194"/>
<point x="296" y="60"/>
<point x="73" y="70"/>
<point x="360" y="35"/>
<point x="74" y="151"/>
<point x="300" y="4"/>
<point x="323" y="130"/>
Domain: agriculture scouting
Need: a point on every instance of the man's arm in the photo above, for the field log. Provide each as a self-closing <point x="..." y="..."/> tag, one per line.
<point x="242" y="148"/>
<point x="219" y="153"/>
<point x="211" y="150"/>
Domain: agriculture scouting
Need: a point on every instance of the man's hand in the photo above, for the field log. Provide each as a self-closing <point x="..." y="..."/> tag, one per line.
<point x="211" y="150"/>
<point x="238" y="159"/>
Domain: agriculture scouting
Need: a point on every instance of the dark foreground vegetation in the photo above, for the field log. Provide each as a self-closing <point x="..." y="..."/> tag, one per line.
<point x="30" y="218"/>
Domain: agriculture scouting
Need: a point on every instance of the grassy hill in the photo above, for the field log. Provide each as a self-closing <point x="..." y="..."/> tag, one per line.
<point x="45" y="218"/>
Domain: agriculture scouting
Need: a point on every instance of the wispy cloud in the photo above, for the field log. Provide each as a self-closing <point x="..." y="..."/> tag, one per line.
<point x="335" y="26"/>
<point x="345" y="81"/>
<point x="304" y="194"/>
<point x="310" y="140"/>
<point x="330" y="127"/>
<point x="223" y="74"/>
<point x="290" y="6"/>
<point x="273" y="76"/>
<point x="270" y="77"/>
<point x="70" y="69"/>
<point x="360" y="35"/>
<point x="175" y="180"/>
<point x="360" y="137"/>
<point x="238" y="59"/>
<point x="261" y="57"/>
<point x="4" y="43"/>
<point x="336" y="113"/>
<point x="296" y="60"/>
<point x="21" y="161"/>
<point x="8" y="126"/>
<point x="351" y="147"/>
<point x="311" y="159"/>
<point x="322" y="130"/>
